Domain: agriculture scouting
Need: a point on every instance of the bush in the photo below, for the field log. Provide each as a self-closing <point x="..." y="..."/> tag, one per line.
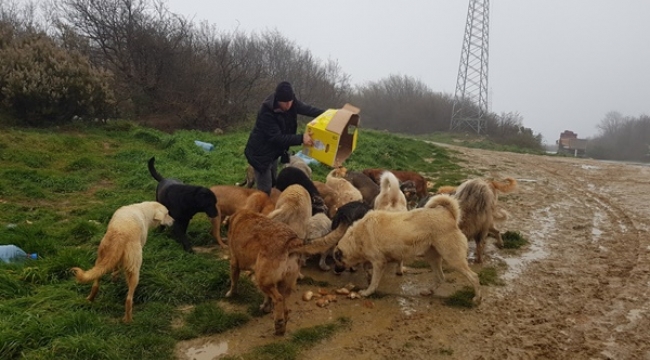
<point x="43" y="84"/>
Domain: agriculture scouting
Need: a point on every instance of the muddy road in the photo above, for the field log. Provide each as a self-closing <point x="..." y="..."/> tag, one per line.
<point x="579" y="290"/>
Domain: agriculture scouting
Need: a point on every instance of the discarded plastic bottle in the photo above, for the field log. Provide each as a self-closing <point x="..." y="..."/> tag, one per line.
<point x="12" y="253"/>
<point x="206" y="146"/>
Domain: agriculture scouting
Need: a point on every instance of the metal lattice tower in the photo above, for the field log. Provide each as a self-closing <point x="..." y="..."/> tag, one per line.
<point x="471" y="96"/>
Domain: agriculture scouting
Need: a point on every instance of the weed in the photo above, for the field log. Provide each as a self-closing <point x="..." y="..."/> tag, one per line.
<point x="513" y="240"/>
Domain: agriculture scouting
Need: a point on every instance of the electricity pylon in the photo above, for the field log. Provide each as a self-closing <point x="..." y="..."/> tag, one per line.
<point x="471" y="95"/>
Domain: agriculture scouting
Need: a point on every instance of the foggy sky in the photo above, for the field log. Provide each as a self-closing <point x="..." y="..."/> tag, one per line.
<point x="561" y="64"/>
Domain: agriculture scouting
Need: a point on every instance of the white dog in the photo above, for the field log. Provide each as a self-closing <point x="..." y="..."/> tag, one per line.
<point x="122" y="246"/>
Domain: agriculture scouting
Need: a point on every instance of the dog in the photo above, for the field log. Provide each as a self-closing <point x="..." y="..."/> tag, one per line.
<point x="330" y="198"/>
<point x="233" y="198"/>
<point x="294" y="209"/>
<point x="262" y="245"/>
<point x="121" y="247"/>
<point x="419" y="180"/>
<point x="478" y="200"/>
<point x="391" y="198"/>
<point x="319" y="225"/>
<point x="249" y="179"/>
<point x="432" y="232"/>
<point x="368" y="188"/>
<point x="342" y="220"/>
<point x="292" y="175"/>
<point x="298" y="163"/>
<point x="345" y="191"/>
<point x="183" y="202"/>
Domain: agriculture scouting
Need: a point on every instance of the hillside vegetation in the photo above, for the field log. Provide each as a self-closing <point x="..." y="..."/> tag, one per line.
<point x="58" y="190"/>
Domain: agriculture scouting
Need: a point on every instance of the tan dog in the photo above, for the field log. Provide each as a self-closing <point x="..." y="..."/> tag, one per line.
<point x="478" y="201"/>
<point x="391" y="198"/>
<point x="233" y="198"/>
<point x="121" y="247"/>
<point x="345" y="191"/>
<point x="432" y="232"/>
<point x="330" y="198"/>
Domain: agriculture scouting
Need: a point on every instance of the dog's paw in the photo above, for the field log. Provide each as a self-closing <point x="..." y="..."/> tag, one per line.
<point x="325" y="267"/>
<point x="229" y="293"/>
<point x="365" y="293"/>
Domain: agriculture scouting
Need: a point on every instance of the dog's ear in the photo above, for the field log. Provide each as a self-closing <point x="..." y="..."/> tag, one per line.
<point x="160" y="215"/>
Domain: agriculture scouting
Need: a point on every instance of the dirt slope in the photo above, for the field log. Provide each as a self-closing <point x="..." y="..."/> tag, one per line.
<point x="579" y="291"/>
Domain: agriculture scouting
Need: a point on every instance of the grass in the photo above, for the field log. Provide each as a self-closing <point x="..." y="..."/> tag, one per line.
<point x="300" y="340"/>
<point x="513" y="240"/>
<point x="60" y="187"/>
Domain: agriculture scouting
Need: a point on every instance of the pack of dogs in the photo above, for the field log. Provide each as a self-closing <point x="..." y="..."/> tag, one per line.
<point x="366" y="219"/>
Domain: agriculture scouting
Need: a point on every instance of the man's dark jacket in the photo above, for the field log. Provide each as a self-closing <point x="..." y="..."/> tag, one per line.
<point x="275" y="131"/>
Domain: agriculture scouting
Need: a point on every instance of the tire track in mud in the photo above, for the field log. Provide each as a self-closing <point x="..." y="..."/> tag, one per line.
<point x="572" y="310"/>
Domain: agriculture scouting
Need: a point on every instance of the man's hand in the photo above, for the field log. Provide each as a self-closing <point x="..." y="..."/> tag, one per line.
<point x="307" y="140"/>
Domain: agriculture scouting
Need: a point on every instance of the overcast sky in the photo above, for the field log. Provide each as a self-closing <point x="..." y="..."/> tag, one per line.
<point x="561" y="64"/>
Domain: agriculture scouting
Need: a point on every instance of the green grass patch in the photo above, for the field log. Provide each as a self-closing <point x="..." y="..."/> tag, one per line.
<point x="513" y="240"/>
<point x="461" y="298"/>
<point x="489" y="276"/>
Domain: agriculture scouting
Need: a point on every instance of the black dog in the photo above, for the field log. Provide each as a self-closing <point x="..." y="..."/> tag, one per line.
<point x="183" y="202"/>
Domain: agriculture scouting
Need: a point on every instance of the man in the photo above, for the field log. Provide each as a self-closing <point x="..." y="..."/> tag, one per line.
<point x="274" y="132"/>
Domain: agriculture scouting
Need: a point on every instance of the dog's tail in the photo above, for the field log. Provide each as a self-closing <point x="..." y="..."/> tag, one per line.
<point x="388" y="181"/>
<point x="321" y="244"/>
<point x="153" y="171"/>
<point x="510" y="185"/>
<point x="446" y="201"/>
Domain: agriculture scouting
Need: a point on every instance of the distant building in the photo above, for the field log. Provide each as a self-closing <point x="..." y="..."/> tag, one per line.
<point x="570" y="144"/>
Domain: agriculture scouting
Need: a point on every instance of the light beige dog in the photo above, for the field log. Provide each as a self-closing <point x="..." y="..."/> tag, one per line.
<point x="345" y="191"/>
<point x="391" y="198"/>
<point x="297" y="162"/>
<point x="121" y="247"/>
<point x="294" y="209"/>
<point x="381" y="237"/>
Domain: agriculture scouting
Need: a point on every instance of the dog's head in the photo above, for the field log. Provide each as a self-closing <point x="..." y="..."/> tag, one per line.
<point x="339" y="265"/>
<point x="207" y="202"/>
<point x="161" y="216"/>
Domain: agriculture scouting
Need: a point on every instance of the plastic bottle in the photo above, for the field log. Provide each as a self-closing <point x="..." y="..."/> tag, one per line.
<point x="12" y="253"/>
<point x="206" y="146"/>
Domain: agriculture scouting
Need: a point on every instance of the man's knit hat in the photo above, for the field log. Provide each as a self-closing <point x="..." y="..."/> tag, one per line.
<point x="284" y="92"/>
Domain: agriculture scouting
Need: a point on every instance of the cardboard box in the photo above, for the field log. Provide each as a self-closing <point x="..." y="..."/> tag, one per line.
<point x="335" y="135"/>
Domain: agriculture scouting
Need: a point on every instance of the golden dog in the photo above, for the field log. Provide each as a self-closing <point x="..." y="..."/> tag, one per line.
<point x="232" y="198"/>
<point x="272" y="251"/>
<point x="381" y="237"/>
<point x="345" y="191"/>
<point x="121" y="247"/>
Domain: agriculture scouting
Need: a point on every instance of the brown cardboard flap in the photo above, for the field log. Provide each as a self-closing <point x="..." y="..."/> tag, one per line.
<point x="349" y="114"/>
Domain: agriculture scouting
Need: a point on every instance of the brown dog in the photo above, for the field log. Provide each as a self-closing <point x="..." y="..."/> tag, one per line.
<point x="272" y="251"/>
<point x="121" y="247"/>
<point x="262" y="245"/>
<point x="419" y="180"/>
<point x="478" y="202"/>
<point x="233" y="198"/>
